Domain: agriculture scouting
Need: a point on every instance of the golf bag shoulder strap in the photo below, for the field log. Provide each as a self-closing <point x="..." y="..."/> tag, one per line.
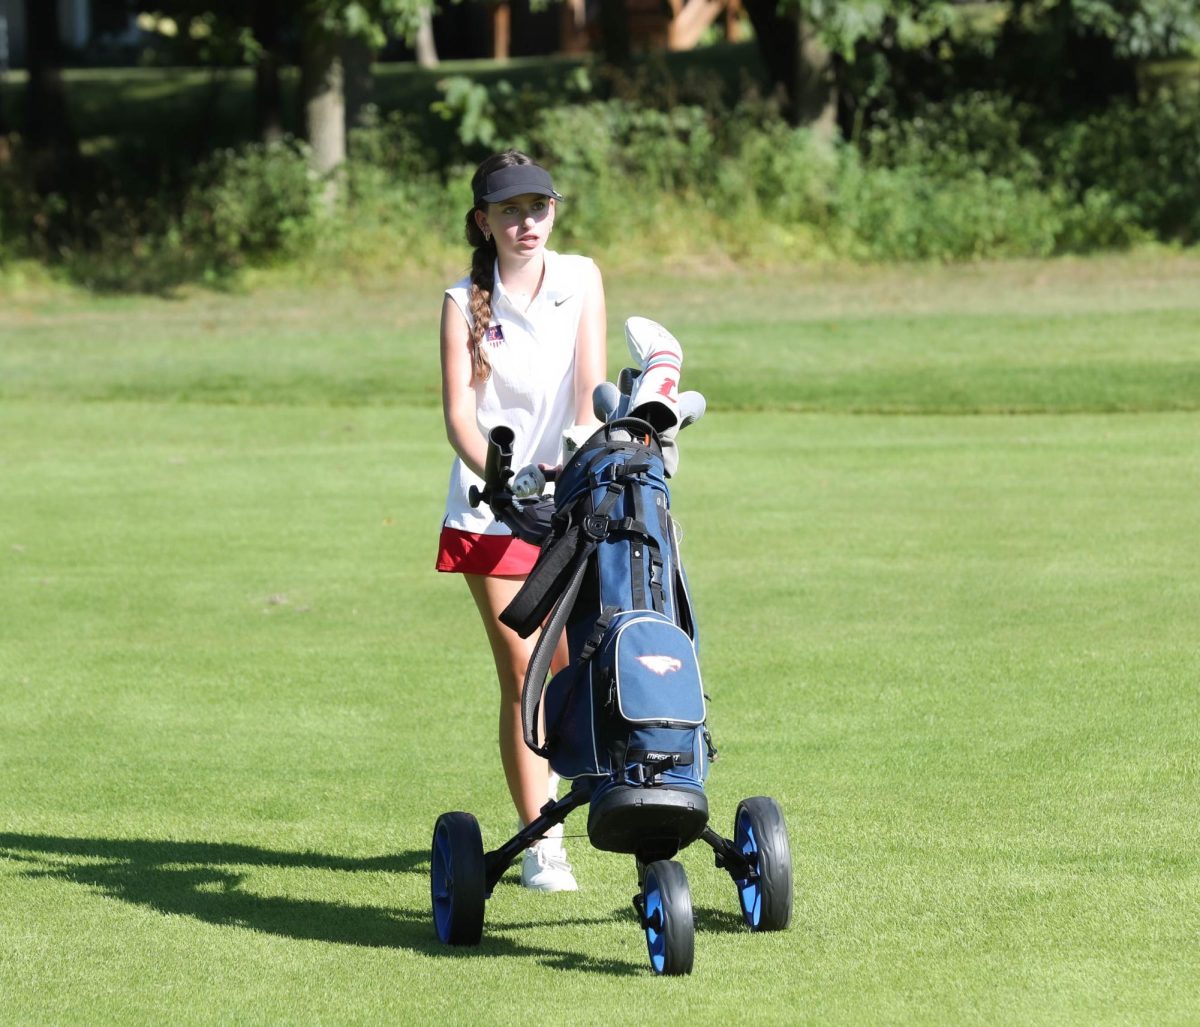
<point x="546" y="581"/>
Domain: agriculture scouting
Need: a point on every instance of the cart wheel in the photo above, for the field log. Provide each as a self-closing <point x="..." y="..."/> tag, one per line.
<point x="457" y="879"/>
<point x="760" y="834"/>
<point x="667" y="908"/>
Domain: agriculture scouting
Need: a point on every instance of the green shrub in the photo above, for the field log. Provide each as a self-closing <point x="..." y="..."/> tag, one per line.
<point x="651" y="165"/>
<point x="1141" y="163"/>
<point x="974" y="132"/>
<point x="792" y="173"/>
<point x="904" y="213"/>
<point x="257" y="203"/>
<point x="622" y="163"/>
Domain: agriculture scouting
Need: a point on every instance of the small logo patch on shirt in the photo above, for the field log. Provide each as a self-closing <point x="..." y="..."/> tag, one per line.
<point x="494" y="335"/>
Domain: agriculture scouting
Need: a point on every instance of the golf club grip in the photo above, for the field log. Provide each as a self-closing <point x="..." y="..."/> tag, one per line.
<point x="498" y="464"/>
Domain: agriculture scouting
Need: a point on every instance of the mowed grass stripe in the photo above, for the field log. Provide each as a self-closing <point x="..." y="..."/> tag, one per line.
<point x="1117" y="340"/>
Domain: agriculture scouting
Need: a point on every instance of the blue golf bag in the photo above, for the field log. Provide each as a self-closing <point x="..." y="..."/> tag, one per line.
<point x="626" y="718"/>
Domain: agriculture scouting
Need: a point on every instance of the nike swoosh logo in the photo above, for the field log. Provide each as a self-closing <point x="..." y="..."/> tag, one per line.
<point x="559" y="303"/>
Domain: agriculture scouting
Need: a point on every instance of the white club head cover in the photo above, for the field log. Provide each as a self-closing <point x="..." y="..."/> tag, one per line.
<point x="529" y="481"/>
<point x="691" y="408"/>
<point x="670" y="455"/>
<point x="655" y="396"/>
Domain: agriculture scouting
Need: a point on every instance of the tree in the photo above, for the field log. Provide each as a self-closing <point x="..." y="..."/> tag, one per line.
<point x="47" y="122"/>
<point x="267" y="27"/>
<point x="797" y="61"/>
<point x="332" y="35"/>
<point x="1062" y="52"/>
<point x="1072" y="55"/>
<point x="328" y="28"/>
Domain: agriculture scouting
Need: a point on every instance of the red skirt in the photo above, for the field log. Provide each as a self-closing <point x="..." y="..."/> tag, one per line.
<point x="504" y="556"/>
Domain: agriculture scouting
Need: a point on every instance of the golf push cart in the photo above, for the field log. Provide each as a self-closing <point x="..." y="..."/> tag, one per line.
<point x="625" y="720"/>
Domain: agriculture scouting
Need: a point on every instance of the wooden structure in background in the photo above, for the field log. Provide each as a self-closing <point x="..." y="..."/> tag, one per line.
<point x="691" y="18"/>
<point x="653" y="24"/>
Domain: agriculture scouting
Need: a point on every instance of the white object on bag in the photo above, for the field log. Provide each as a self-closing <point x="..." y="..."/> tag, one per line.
<point x="692" y="405"/>
<point x="573" y="438"/>
<point x="655" y="396"/>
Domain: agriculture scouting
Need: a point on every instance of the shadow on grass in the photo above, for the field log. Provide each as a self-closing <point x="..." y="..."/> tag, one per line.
<point x="201" y="880"/>
<point x="719" y="921"/>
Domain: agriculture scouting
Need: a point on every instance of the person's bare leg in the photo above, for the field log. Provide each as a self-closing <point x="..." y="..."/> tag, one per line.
<point x="527" y="773"/>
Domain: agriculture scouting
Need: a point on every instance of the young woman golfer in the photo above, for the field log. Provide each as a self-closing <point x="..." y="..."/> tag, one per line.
<point x="523" y="345"/>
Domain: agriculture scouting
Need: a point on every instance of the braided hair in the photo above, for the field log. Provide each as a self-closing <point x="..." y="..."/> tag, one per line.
<point x="483" y="261"/>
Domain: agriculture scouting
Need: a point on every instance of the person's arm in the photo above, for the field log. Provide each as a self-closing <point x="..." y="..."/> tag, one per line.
<point x="591" y="348"/>
<point x="458" y="393"/>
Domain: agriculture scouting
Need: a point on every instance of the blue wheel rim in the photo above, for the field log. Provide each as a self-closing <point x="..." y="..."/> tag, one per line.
<point x="442" y="884"/>
<point x="749" y="890"/>
<point x="656" y="942"/>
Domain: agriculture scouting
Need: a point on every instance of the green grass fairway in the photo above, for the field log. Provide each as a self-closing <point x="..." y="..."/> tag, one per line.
<point x="940" y="526"/>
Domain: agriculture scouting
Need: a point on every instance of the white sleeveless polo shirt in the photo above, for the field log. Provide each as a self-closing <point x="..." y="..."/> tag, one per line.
<point x="532" y="385"/>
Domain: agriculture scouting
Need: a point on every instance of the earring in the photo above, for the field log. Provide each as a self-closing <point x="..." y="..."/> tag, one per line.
<point x="487" y="236"/>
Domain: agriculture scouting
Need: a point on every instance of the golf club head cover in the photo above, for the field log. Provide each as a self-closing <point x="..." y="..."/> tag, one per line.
<point x="625" y="383"/>
<point x="626" y="379"/>
<point x="691" y="408"/>
<point x="655" y="395"/>
<point x="606" y="397"/>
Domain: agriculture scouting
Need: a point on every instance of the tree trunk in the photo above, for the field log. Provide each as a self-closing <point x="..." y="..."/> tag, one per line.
<point x="322" y="86"/>
<point x="798" y="66"/>
<point x="815" y="93"/>
<point x="48" y="125"/>
<point x="427" y="55"/>
<point x="268" y="97"/>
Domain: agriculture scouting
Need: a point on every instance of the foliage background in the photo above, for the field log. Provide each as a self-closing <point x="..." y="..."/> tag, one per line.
<point x="683" y="158"/>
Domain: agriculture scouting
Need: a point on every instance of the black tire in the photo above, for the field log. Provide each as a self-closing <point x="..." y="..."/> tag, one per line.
<point x="760" y="834"/>
<point x="668" y="922"/>
<point x="457" y="879"/>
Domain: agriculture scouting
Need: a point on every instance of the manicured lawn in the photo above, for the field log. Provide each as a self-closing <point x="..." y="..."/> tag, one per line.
<point x="960" y="650"/>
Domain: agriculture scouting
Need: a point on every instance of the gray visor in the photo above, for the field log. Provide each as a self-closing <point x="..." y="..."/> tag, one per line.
<point x="516" y="181"/>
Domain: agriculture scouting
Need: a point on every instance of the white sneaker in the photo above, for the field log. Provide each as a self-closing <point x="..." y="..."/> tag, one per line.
<point x="544" y="868"/>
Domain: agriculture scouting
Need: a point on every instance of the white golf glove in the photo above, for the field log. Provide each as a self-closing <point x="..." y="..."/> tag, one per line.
<point x="529" y="481"/>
